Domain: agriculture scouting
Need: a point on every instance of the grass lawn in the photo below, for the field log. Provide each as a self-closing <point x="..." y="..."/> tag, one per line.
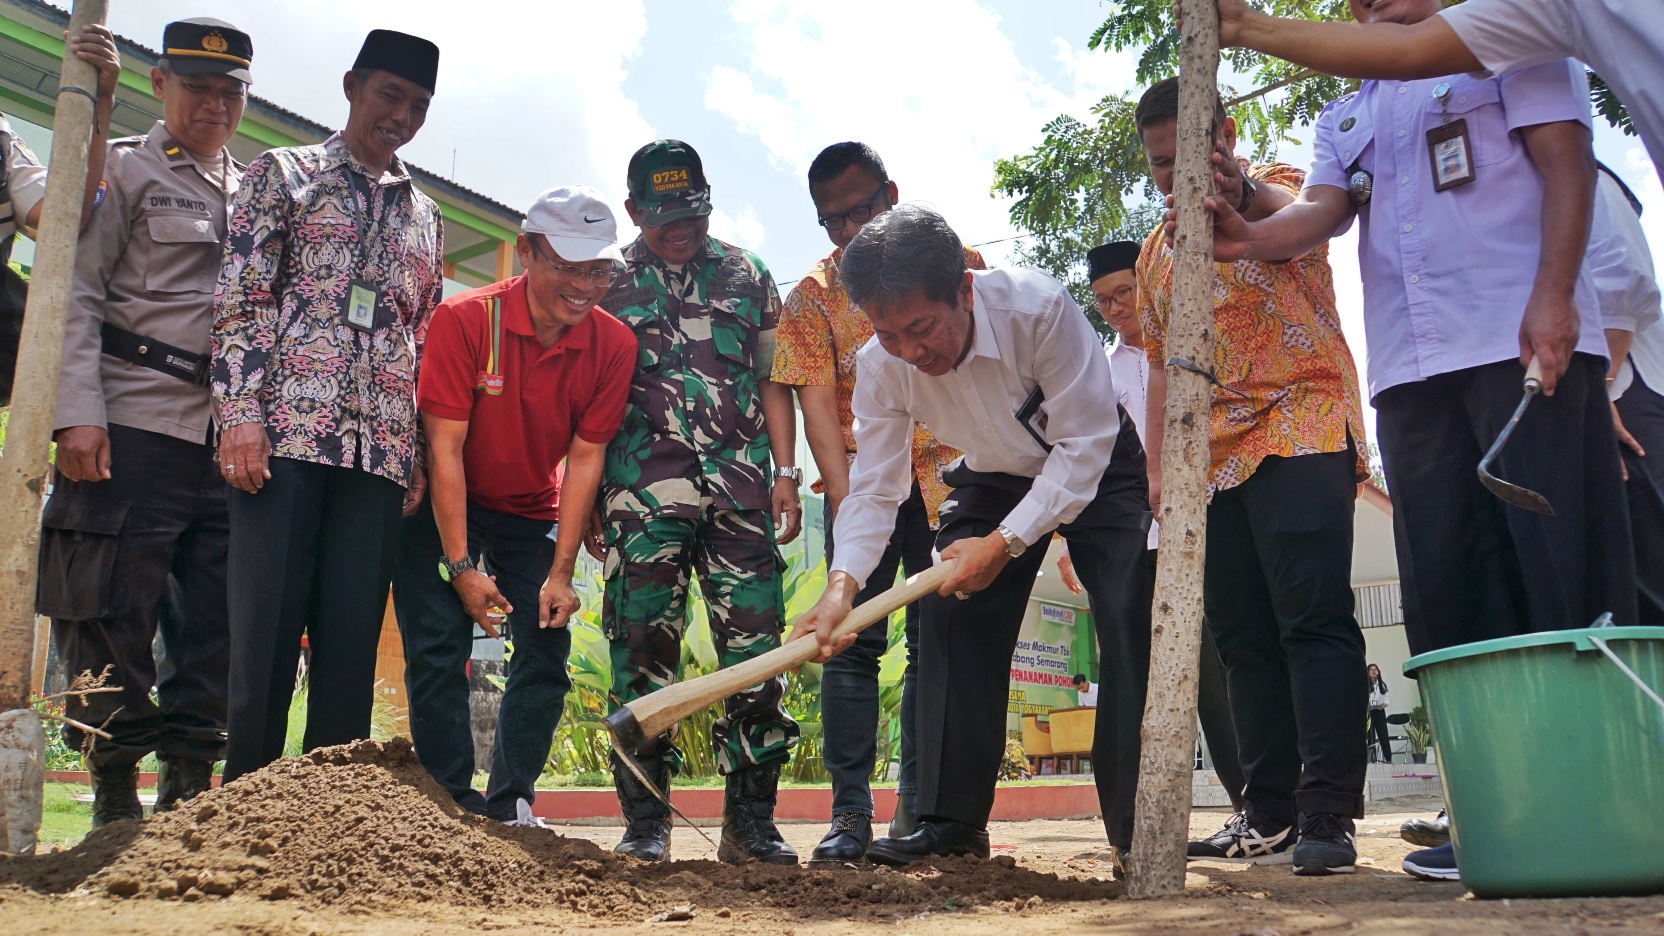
<point x="63" y="821"/>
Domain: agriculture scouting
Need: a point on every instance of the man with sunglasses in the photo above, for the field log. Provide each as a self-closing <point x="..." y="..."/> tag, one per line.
<point x="517" y="376"/>
<point x="688" y="489"/>
<point x="1286" y="436"/>
<point x="820" y="331"/>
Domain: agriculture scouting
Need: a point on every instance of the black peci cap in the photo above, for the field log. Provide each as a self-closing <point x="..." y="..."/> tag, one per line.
<point x="1111" y="258"/>
<point x="412" y="58"/>
<point x="203" y="46"/>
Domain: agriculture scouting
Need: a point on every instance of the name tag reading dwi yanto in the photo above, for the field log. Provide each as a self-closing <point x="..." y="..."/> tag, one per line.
<point x="362" y="299"/>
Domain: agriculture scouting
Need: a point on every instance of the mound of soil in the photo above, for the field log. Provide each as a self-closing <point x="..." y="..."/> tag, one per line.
<point x="364" y="826"/>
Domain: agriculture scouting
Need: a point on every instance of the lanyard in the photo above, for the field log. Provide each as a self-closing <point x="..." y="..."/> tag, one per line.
<point x="367" y="230"/>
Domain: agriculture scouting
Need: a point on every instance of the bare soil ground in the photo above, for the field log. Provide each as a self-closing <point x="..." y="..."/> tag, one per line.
<point x="359" y="841"/>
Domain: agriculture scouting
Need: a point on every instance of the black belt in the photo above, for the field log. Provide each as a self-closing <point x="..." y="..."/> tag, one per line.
<point x="156" y="355"/>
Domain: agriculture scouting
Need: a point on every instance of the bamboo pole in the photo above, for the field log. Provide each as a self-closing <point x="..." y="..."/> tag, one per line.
<point x="23" y="467"/>
<point x="1169" y="738"/>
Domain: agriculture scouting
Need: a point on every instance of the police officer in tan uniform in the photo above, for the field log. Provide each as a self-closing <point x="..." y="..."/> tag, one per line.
<point x="136" y="532"/>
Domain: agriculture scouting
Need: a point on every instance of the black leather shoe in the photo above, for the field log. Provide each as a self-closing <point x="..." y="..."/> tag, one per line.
<point x="1428" y="833"/>
<point x="904" y="821"/>
<point x="933" y="838"/>
<point x="845" y="842"/>
<point x="748" y="830"/>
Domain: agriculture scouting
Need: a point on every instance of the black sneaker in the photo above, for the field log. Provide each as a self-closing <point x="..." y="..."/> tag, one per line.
<point x="1326" y="846"/>
<point x="1428" y="833"/>
<point x="1433" y="864"/>
<point x="1244" y="840"/>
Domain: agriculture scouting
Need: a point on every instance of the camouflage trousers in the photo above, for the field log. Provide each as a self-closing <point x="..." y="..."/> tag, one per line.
<point x="644" y="616"/>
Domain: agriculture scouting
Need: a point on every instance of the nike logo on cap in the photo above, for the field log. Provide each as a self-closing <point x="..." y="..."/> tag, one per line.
<point x="589" y="220"/>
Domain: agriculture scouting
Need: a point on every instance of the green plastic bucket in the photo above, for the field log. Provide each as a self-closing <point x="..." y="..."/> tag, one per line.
<point x="1551" y="756"/>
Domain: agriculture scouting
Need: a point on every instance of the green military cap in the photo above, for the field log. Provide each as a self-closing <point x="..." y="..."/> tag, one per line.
<point x="667" y="183"/>
<point x="202" y="46"/>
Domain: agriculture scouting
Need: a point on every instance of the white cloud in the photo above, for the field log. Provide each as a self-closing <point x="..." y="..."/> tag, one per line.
<point x="525" y="100"/>
<point x="744" y="229"/>
<point x="935" y="86"/>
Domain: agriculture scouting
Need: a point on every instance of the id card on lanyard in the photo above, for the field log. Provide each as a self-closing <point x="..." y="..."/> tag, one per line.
<point x="363" y="297"/>
<point x="1449" y="149"/>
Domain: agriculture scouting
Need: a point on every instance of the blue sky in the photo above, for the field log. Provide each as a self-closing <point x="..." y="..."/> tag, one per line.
<point x="533" y="95"/>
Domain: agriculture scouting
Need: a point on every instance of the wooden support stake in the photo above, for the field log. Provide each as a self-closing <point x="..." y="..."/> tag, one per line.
<point x="23" y="467"/>
<point x="1164" y="793"/>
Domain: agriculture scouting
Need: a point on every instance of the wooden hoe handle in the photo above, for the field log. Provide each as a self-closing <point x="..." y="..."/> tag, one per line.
<point x="654" y="714"/>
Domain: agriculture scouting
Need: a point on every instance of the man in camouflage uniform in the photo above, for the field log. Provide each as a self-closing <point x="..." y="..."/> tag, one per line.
<point x="687" y="489"/>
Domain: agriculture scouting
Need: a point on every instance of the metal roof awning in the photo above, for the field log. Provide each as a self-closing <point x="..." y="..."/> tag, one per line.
<point x="479" y="232"/>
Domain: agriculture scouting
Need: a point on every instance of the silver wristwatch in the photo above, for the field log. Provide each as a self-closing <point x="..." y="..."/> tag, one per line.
<point x="1014" y="547"/>
<point x="795" y="475"/>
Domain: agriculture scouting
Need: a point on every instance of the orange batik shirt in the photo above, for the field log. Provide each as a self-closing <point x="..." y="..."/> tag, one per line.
<point x="1277" y="342"/>
<point x="815" y="346"/>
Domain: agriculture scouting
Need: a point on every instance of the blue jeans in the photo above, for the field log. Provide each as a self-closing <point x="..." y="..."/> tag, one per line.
<point x="849" y="681"/>
<point x="438" y="642"/>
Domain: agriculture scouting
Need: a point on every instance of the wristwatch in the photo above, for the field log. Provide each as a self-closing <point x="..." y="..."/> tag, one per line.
<point x="794" y="474"/>
<point x="1014" y="547"/>
<point x="450" y="571"/>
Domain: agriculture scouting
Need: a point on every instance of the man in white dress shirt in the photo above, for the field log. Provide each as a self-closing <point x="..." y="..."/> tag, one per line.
<point x="1111" y="273"/>
<point x="1003" y="366"/>
<point x="1619" y="265"/>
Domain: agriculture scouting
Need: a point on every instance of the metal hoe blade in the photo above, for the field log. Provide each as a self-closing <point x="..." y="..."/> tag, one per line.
<point x="1513" y="493"/>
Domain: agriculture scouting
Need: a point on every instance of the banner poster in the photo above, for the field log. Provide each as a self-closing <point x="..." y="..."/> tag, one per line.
<point x="1054" y="644"/>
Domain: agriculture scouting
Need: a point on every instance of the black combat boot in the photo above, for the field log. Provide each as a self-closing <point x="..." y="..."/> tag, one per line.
<point x="178" y="779"/>
<point x="748" y="818"/>
<point x="115" y="794"/>
<point x="647" y="820"/>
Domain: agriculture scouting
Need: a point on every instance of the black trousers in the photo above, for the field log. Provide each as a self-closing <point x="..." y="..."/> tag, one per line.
<point x="1473" y="567"/>
<point x="439" y="640"/>
<point x="1642" y="410"/>
<point x="965" y="647"/>
<point x="849" y="681"/>
<point x="1378" y="732"/>
<point x="312" y="554"/>
<point x="1213" y="701"/>
<point x="1278" y="596"/>
<point x="122" y="558"/>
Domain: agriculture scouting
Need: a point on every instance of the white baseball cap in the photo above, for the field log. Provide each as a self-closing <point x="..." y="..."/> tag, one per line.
<point x="578" y="224"/>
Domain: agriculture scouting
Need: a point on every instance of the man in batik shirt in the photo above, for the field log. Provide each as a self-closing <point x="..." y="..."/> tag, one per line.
<point x="1286" y="437"/>
<point x="820" y="331"/>
<point x="332" y="267"/>
<point x="687" y="489"/>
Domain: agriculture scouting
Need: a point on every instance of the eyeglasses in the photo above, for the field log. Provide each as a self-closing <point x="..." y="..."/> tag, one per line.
<point x="1120" y="296"/>
<point x="599" y="277"/>
<point x="227" y="93"/>
<point x="861" y="215"/>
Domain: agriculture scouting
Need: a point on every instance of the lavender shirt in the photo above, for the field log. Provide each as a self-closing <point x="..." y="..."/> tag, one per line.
<point x="1446" y="275"/>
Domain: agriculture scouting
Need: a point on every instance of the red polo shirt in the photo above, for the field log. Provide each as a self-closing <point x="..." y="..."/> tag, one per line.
<point x="482" y="363"/>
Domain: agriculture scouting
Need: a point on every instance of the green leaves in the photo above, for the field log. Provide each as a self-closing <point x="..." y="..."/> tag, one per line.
<point x="1087" y="182"/>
